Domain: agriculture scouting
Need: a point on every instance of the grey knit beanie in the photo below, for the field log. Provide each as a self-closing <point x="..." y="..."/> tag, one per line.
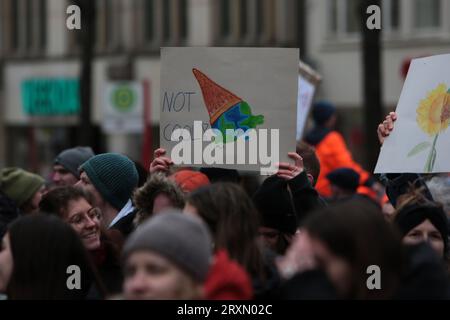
<point x="114" y="176"/>
<point x="182" y="239"/>
<point x="73" y="158"/>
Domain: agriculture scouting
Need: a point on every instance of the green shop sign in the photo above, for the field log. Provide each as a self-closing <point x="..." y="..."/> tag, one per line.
<point x="50" y="96"/>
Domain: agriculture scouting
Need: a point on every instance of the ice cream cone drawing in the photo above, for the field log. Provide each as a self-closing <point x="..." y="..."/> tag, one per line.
<point x="226" y="110"/>
<point x="433" y="117"/>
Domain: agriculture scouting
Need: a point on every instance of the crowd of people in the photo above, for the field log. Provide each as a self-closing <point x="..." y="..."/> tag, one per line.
<point x="313" y="230"/>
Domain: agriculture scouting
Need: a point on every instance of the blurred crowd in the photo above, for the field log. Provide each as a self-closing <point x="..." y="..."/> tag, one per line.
<point x="322" y="227"/>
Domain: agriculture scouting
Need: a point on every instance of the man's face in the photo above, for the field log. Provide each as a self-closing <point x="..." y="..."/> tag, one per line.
<point x="63" y="177"/>
<point x="86" y="184"/>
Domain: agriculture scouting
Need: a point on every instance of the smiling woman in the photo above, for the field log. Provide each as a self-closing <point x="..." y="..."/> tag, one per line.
<point x="74" y="207"/>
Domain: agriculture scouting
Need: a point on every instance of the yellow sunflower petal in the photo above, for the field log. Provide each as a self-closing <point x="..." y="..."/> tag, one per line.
<point x="430" y="110"/>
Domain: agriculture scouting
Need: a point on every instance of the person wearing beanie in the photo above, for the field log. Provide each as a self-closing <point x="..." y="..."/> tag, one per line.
<point x="424" y="222"/>
<point x="324" y="112"/>
<point x="344" y="183"/>
<point x="331" y="148"/>
<point x="283" y="201"/>
<point x="111" y="179"/>
<point x="66" y="164"/>
<point x="23" y="187"/>
<point x="167" y="257"/>
<point x="278" y="217"/>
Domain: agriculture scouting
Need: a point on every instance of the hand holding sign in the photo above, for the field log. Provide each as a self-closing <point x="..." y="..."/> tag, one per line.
<point x="385" y="128"/>
<point x="160" y="163"/>
<point x="420" y="142"/>
<point x="289" y="171"/>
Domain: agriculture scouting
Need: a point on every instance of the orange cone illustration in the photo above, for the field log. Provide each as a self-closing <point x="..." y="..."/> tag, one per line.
<point x="217" y="99"/>
<point x="226" y="110"/>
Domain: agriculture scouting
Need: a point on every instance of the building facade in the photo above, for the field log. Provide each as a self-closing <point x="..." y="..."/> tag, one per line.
<point x="36" y="44"/>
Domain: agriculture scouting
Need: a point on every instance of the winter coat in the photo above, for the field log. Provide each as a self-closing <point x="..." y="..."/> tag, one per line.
<point x="333" y="154"/>
<point x="126" y="225"/>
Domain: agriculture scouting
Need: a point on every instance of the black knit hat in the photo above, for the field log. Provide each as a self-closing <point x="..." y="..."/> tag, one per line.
<point x="345" y="178"/>
<point x="412" y="215"/>
<point x="322" y="111"/>
<point x="274" y="203"/>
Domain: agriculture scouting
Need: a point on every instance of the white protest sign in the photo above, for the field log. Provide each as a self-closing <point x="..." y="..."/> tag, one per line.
<point x="123" y="107"/>
<point x="420" y="141"/>
<point x="237" y="106"/>
<point x="308" y="79"/>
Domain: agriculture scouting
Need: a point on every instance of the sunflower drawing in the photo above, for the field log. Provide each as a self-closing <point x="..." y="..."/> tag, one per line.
<point x="433" y="117"/>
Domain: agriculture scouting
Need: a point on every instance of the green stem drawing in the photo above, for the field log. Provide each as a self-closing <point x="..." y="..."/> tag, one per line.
<point x="431" y="156"/>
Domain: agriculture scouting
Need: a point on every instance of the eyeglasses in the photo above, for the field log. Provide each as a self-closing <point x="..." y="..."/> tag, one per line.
<point x="93" y="214"/>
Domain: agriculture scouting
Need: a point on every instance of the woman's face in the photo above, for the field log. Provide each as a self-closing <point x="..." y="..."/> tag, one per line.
<point x="6" y="263"/>
<point x="86" y="221"/>
<point x="426" y="231"/>
<point x="337" y="268"/>
<point x="150" y="276"/>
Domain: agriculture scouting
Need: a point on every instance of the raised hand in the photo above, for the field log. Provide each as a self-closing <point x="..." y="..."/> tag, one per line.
<point x="385" y="128"/>
<point x="160" y="163"/>
<point x="288" y="171"/>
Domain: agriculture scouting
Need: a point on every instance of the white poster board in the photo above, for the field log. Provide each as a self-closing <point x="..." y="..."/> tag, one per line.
<point x="420" y="141"/>
<point x="308" y="80"/>
<point x="123" y="107"/>
<point x="252" y="89"/>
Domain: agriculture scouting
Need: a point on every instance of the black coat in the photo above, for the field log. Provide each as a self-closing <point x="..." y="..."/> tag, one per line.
<point x="125" y="225"/>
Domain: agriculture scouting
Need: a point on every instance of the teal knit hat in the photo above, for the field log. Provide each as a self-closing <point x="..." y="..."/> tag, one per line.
<point x="19" y="185"/>
<point x="113" y="175"/>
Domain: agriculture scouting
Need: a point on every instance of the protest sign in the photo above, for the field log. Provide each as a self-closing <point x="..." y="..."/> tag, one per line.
<point x="420" y="141"/>
<point x="237" y="106"/>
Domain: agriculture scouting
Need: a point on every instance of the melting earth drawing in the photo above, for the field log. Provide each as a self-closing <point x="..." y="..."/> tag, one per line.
<point x="226" y="110"/>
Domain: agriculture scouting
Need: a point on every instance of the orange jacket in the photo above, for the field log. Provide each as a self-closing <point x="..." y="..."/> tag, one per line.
<point x="333" y="154"/>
